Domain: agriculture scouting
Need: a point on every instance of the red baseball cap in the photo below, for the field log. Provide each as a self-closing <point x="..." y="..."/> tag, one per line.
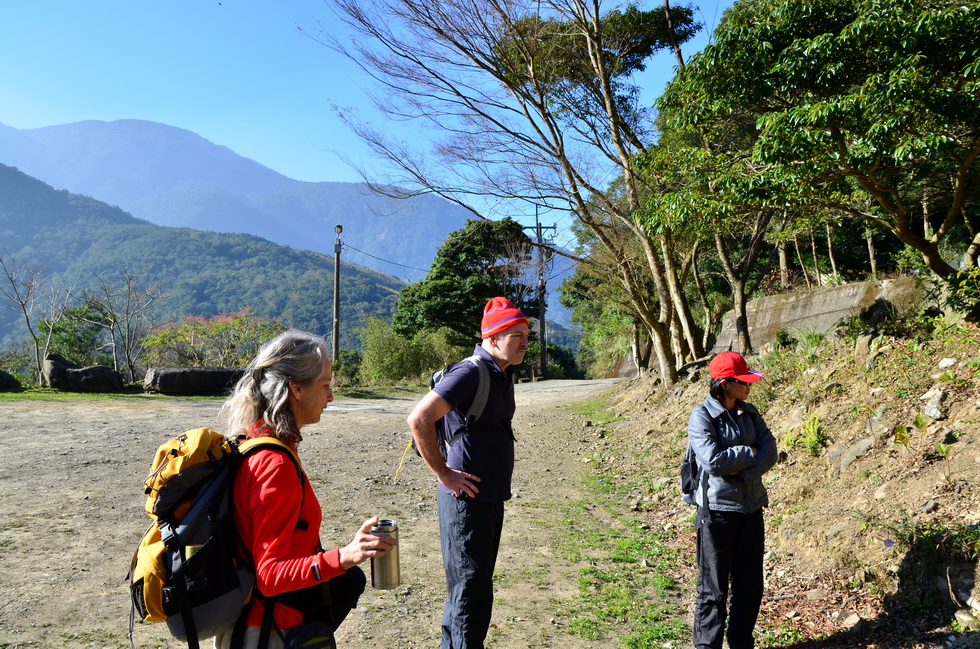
<point x="730" y="365"/>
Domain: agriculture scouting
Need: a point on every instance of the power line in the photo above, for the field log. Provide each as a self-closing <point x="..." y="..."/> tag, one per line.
<point x="393" y="263"/>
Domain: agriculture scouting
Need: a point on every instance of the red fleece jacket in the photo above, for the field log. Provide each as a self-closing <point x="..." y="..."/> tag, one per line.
<point x="267" y="508"/>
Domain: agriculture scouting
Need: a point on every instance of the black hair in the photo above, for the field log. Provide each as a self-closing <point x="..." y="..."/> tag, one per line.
<point x="717" y="389"/>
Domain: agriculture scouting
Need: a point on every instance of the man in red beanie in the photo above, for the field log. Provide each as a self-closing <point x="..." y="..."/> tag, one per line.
<point x="475" y="476"/>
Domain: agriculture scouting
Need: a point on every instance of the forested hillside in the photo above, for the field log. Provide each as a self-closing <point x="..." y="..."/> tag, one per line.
<point x="73" y="239"/>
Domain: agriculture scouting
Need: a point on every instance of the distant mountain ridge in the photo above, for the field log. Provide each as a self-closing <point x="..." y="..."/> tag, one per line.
<point x="74" y="238"/>
<point x="171" y="176"/>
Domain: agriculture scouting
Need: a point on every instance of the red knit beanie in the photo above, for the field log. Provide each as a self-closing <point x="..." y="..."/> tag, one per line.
<point x="499" y="314"/>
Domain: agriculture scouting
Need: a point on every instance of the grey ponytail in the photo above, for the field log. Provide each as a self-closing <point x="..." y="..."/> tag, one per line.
<point x="262" y="394"/>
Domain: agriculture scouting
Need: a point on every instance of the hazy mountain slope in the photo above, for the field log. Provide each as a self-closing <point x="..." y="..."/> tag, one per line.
<point x="170" y="176"/>
<point x="75" y="238"/>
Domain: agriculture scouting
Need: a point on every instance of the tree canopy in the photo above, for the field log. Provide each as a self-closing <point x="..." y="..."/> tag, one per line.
<point x="476" y="263"/>
<point x="526" y="105"/>
<point x="878" y="97"/>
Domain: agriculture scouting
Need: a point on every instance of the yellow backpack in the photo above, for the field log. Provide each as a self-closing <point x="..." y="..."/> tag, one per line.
<point x="190" y="569"/>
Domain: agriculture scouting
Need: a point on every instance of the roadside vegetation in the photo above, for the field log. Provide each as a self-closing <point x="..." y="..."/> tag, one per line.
<point x="872" y="532"/>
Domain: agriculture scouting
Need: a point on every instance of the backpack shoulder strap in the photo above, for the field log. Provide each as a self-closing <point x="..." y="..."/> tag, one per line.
<point x="704" y="474"/>
<point x="482" y="389"/>
<point x="269" y="443"/>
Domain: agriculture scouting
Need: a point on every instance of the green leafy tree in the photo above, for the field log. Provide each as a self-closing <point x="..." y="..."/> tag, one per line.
<point x="875" y="96"/>
<point x="476" y="263"/>
<point x="77" y="336"/>
<point x="389" y="357"/>
<point x="228" y="340"/>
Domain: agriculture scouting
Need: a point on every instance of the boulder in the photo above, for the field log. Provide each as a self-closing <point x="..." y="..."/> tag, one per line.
<point x="61" y="374"/>
<point x="936" y="407"/>
<point x="191" y="381"/>
<point x="8" y="381"/>
<point x="855" y="451"/>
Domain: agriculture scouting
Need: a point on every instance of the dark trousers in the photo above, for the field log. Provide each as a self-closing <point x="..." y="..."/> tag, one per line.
<point x="345" y="590"/>
<point x="730" y="546"/>
<point x="470" y="534"/>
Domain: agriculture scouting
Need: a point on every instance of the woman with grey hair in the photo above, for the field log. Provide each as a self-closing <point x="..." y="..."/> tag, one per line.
<point x="300" y="587"/>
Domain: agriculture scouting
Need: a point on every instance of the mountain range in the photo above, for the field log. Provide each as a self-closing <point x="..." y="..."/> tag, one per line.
<point x="171" y="176"/>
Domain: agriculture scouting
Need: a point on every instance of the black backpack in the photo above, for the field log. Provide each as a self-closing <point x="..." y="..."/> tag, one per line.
<point x="474" y="411"/>
<point x="692" y="477"/>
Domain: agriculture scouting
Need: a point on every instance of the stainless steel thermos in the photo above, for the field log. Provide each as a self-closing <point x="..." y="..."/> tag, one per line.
<point x="385" y="573"/>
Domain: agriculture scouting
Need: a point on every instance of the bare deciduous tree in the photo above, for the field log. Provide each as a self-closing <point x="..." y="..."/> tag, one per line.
<point x="22" y="287"/>
<point x="527" y="103"/>
<point x="122" y="306"/>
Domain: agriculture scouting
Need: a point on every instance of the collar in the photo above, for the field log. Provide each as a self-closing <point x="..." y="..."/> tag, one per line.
<point x="262" y="429"/>
<point x="715" y="409"/>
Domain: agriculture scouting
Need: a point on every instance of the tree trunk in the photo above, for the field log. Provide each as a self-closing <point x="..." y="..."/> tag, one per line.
<point x="784" y="284"/>
<point x="869" y="237"/>
<point x="682" y="310"/>
<point x="635" y="349"/>
<point x="709" y="324"/>
<point x="972" y="251"/>
<point x="737" y="285"/>
<point x="799" y="257"/>
<point x="660" y="327"/>
<point x="830" y="250"/>
<point x="114" y="345"/>
<point x="660" y="340"/>
<point x="741" y="320"/>
<point x="816" y="266"/>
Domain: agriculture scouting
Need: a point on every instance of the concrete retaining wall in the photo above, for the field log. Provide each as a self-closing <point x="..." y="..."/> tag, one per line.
<point x="817" y="310"/>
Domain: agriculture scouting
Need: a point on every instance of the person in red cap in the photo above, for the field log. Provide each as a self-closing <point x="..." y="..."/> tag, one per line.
<point x="734" y="448"/>
<point x="474" y="478"/>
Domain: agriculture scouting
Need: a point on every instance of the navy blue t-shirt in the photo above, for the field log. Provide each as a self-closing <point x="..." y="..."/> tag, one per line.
<point x="487" y="449"/>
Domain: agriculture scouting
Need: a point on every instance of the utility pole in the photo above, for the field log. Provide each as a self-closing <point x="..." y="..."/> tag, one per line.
<point x="336" y="297"/>
<point x="542" y="289"/>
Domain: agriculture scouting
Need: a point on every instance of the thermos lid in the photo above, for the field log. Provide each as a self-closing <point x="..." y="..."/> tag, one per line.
<point x="384" y="525"/>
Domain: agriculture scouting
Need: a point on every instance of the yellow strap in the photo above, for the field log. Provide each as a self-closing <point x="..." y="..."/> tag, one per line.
<point x="405" y="452"/>
<point x="255" y="441"/>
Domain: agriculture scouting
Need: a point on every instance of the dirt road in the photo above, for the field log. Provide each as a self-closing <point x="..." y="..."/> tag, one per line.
<point x="71" y="515"/>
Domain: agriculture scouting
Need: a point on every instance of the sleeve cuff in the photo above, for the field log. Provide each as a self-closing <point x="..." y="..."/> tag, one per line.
<point x="329" y="564"/>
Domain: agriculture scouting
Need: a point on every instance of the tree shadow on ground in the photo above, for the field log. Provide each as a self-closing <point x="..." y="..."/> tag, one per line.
<point x="939" y="566"/>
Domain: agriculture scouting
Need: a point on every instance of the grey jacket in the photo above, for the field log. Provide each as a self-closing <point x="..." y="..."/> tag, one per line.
<point x="722" y="441"/>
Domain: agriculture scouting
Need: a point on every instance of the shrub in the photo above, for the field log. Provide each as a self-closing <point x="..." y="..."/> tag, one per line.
<point x="389" y="358"/>
<point x="964" y="293"/>
<point x="227" y="340"/>
<point x="812" y="436"/>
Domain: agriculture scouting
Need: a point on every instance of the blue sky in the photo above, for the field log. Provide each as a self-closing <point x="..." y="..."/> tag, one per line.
<point x="240" y="73"/>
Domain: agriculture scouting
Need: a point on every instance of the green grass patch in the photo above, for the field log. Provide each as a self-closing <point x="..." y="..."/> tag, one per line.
<point x="137" y="394"/>
<point x="597" y="410"/>
<point x="47" y="394"/>
<point x="626" y="596"/>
